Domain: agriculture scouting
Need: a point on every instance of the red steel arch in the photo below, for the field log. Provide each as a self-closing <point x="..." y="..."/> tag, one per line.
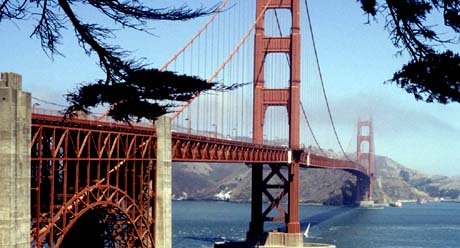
<point x="80" y="164"/>
<point x="99" y="195"/>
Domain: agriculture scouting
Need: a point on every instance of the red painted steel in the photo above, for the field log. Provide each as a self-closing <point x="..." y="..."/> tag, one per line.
<point x="366" y="157"/>
<point x="192" y="148"/>
<point x="80" y="165"/>
<point x="290" y="97"/>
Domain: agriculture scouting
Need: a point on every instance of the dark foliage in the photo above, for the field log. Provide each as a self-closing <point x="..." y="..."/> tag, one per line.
<point x="430" y="75"/>
<point x="136" y="98"/>
<point x="369" y="6"/>
<point x="134" y="91"/>
<point x="435" y="77"/>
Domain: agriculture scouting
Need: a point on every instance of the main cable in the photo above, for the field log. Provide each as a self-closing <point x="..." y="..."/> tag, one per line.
<point x="48" y="102"/>
<point x="311" y="130"/>
<point x="322" y="81"/>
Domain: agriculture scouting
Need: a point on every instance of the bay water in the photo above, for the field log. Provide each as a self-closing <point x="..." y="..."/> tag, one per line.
<point x="201" y="223"/>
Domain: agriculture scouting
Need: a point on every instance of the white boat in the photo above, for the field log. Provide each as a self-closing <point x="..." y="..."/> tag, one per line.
<point x="397" y="204"/>
<point x="306" y="231"/>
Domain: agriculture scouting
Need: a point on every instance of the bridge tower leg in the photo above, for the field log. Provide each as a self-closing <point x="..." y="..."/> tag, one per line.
<point x="288" y="97"/>
<point x="365" y="157"/>
<point x="15" y="128"/>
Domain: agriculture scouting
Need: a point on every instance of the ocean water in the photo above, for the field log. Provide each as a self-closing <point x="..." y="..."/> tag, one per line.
<point x="201" y="223"/>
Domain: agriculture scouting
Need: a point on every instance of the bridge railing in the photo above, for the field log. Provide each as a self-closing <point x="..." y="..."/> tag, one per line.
<point x="314" y="160"/>
<point x="198" y="139"/>
<point x="90" y="119"/>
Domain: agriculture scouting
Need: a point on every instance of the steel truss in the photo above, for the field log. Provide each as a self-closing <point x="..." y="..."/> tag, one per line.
<point x="77" y="167"/>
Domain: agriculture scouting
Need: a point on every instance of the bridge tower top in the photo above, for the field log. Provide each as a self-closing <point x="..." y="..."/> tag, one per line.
<point x="290" y="96"/>
<point x="365" y="151"/>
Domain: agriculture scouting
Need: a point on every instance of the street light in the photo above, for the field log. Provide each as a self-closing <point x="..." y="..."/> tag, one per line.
<point x="189" y="125"/>
<point x="234" y="132"/>
<point x="215" y="130"/>
<point x="34" y="105"/>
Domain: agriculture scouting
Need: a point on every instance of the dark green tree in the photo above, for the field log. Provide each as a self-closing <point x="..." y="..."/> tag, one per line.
<point x="433" y="72"/>
<point x="133" y="90"/>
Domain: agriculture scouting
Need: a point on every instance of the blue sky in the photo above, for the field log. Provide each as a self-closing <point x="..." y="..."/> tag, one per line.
<point x="355" y="58"/>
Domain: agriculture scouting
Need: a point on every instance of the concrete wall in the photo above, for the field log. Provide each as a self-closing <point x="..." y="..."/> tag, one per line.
<point x="163" y="184"/>
<point x="15" y="128"/>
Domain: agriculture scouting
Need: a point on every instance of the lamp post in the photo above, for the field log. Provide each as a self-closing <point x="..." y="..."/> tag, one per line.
<point x="34" y="105"/>
<point x="189" y="125"/>
<point x="215" y="130"/>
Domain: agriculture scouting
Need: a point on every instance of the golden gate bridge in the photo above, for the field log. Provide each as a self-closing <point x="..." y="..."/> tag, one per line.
<point x="92" y="169"/>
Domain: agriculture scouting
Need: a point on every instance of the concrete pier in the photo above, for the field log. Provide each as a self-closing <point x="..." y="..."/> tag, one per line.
<point x="366" y="204"/>
<point x="274" y="240"/>
<point x="163" y="184"/>
<point x="15" y="128"/>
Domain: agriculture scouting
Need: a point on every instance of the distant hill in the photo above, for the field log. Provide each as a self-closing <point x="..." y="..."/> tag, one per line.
<point x="396" y="178"/>
<point x="200" y="181"/>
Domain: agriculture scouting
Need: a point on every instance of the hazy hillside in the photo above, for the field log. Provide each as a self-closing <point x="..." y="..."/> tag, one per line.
<point x="394" y="181"/>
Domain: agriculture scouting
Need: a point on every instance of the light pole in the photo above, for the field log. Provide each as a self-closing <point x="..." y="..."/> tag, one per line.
<point x="34" y="105"/>
<point x="189" y="125"/>
<point x="215" y="130"/>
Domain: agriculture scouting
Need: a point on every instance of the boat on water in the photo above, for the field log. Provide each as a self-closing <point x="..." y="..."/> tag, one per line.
<point x="305" y="234"/>
<point x="396" y="204"/>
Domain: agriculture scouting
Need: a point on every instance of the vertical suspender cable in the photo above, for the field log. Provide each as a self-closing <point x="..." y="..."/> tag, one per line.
<point x="222" y="66"/>
<point x="322" y="82"/>
<point x="311" y="130"/>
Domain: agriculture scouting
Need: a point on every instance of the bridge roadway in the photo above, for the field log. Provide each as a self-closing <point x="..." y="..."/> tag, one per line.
<point x="196" y="148"/>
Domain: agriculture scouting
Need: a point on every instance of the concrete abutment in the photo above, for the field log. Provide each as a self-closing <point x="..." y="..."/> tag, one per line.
<point x="273" y="240"/>
<point x="163" y="184"/>
<point x="15" y="172"/>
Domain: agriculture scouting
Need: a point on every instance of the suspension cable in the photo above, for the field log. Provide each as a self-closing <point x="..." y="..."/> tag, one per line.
<point x="218" y="11"/>
<point x="235" y="50"/>
<point x="48" y="102"/>
<point x="311" y="130"/>
<point x="281" y="35"/>
<point x="181" y="51"/>
<point x="322" y="81"/>
<point x="303" y="109"/>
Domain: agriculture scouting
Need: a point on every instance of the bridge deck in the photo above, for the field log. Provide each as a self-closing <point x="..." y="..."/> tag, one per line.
<point x="195" y="148"/>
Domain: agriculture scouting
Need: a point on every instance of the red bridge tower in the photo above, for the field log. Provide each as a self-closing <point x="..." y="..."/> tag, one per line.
<point x="365" y="155"/>
<point x="288" y="97"/>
